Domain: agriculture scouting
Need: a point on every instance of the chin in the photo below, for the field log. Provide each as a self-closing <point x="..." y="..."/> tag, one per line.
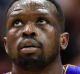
<point x="30" y="63"/>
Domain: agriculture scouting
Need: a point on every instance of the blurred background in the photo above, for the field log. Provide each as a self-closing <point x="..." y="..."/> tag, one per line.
<point x="5" y="64"/>
<point x="71" y="55"/>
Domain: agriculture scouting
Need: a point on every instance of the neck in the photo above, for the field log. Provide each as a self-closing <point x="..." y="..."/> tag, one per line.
<point x="54" y="68"/>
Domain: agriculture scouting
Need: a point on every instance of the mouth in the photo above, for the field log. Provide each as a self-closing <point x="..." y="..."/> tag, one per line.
<point x="29" y="49"/>
<point x="29" y="46"/>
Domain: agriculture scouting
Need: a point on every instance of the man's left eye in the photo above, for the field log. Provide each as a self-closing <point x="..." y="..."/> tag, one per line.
<point x="41" y="21"/>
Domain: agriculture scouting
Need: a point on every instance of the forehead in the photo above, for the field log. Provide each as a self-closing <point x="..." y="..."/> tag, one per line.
<point x="32" y="4"/>
<point x="32" y="1"/>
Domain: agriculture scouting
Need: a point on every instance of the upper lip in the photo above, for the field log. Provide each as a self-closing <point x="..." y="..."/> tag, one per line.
<point x="28" y="43"/>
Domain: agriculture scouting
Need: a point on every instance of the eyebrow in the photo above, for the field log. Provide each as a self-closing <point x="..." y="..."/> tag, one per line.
<point x="20" y="10"/>
<point x="20" y="13"/>
<point x="15" y="12"/>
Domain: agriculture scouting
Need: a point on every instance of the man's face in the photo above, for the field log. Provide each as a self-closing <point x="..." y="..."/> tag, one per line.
<point x="33" y="36"/>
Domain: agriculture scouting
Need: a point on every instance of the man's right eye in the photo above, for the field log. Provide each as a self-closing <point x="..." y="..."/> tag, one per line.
<point x="17" y="23"/>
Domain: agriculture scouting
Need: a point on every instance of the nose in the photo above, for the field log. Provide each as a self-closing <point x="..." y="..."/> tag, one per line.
<point x="29" y="30"/>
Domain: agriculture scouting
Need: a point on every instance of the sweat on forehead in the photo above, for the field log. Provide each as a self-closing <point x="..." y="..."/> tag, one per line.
<point x="18" y="4"/>
<point x="34" y="1"/>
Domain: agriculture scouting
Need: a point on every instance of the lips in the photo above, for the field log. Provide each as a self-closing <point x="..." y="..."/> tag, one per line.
<point x="29" y="46"/>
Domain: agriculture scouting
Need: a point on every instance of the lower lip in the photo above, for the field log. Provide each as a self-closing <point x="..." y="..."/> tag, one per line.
<point x="28" y="50"/>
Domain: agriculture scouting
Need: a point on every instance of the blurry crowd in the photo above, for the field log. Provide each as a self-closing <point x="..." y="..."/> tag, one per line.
<point x="71" y="55"/>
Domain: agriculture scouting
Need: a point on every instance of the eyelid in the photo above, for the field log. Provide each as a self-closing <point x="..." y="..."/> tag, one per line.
<point x="43" y="18"/>
<point x="14" y="22"/>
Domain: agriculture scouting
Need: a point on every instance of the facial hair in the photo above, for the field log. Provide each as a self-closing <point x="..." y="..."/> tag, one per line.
<point x="39" y="63"/>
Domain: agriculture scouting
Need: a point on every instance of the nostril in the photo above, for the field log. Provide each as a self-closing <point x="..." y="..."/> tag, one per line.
<point x="29" y="35"/>
<point x="33" y="34"/>
<point x="24" y="35"/>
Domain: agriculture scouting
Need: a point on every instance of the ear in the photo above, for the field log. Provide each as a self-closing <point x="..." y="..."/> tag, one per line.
<point x="64" y="38"/>
<point x="5" y="44"/>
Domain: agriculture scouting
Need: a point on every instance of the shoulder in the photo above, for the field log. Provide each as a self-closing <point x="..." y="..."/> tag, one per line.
<point x="71" y="69"/>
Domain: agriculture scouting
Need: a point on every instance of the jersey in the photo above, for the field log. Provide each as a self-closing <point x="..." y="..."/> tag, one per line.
<point x="71" y="69"/>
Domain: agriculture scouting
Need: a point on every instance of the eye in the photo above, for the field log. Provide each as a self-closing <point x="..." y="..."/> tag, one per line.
<point x="17" y="23"/>
<point x="42" y="21"/>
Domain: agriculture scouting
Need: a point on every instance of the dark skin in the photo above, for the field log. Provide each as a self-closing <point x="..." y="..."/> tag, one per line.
<point x="34" y="37"/>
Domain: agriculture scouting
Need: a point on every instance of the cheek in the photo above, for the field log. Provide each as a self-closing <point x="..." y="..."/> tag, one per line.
<point x="50" y="36"/>
<point x="50" y="41"/>
<point x="12" y="38"/>
<point x="50" y="44"/>
<point x="14" y="33"/>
